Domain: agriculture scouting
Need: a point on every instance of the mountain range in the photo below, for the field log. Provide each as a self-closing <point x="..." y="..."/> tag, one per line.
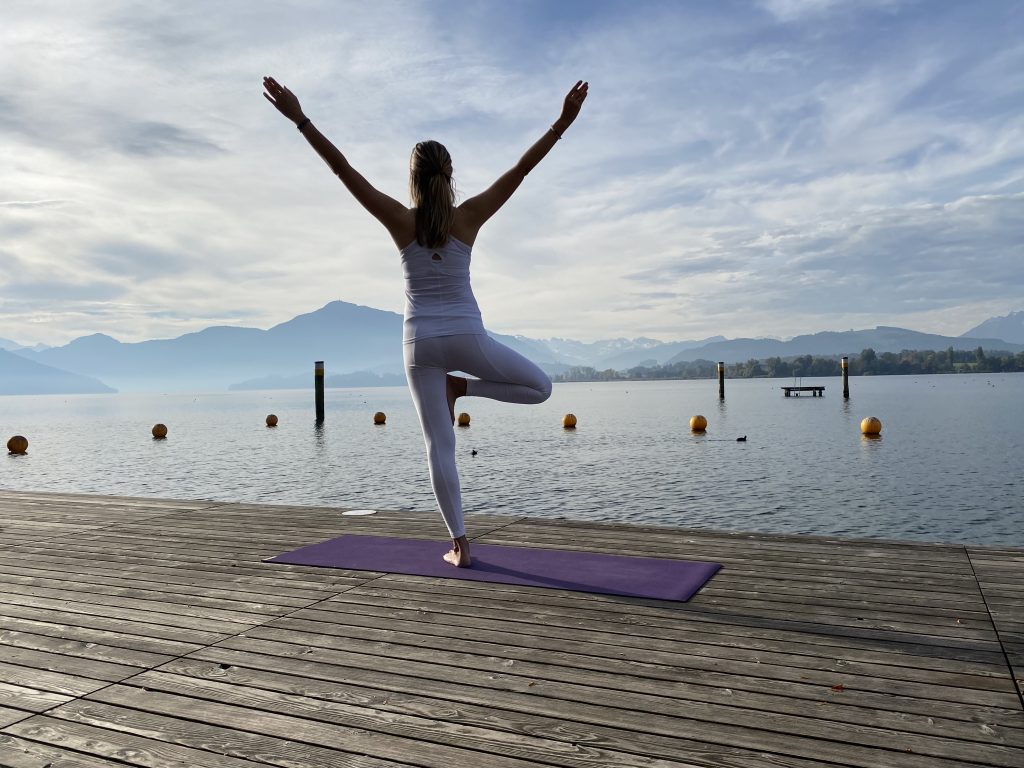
<point x="19" y="376"/>
<point x="362" y="346"/>
<point x="1009" y="327"/>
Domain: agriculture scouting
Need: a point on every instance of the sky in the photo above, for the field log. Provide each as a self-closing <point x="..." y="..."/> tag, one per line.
<point x="741" y="168"/>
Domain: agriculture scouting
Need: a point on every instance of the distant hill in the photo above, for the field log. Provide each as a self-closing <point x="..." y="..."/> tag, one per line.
<point x="305" y="381"/>
<point x="880" y="339"/>
<point x="349" y="337"/>
<point x="363" y="346"/>
<point x="659" y="352"/>
<point x="19" y="376"/>
<point x="1009" y="327"/>
<point x="11" y="346"/>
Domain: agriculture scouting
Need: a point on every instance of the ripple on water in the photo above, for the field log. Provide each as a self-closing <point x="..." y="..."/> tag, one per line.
<point x="805" y="467"/>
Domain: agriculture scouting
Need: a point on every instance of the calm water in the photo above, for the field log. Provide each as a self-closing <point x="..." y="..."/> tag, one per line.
<point x="947" y="467"/>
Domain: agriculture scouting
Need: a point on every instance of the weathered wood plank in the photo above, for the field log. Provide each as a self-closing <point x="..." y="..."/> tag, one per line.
<point x="528" y="630"/>
<point x="822" y="631"/>
<point x="87" y="589"/>
<point x="118" y="744"/>
<point x="125" y="610"/>
<point x="600" y="651"/>
<point x="101" y="554"/>
<point x="245" y="732"/>
<point x="30" y="699"/>
<point x="150" y="632"/>
<point x="674" y="683"/>
<point x="113" y="635"/>
<point x="423" y="727"/>
<point x="657" y="717"/>
<point x="9" y="715"/>
<point x="768" y="692"/>
<point x="28" y="676"/>
<point x="21" y="753"/>
<point x="456" y="705"/>
<point x="1001" y="579"/>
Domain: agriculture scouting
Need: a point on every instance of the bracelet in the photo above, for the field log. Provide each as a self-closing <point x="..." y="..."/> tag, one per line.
<point x="302" y="125"/>
<point x="557" y="134"/>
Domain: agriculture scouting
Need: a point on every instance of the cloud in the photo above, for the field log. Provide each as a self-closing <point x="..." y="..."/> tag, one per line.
<point x="46" y="291"/>
<point x="30" y="203"/>
<point x="775" y="161"/>
<point x="135" y="258"/>
<point x="883" y="263"/>
<point x="798" y="10"/>
<point x="156" y="138"/>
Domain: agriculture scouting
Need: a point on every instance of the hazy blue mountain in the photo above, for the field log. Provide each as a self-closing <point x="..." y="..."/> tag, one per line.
<point x="557" y="354"/>
<point x="359" y="344"/>
<point x="1009" y="327"/>
<point x="12" y="346"/>
<point x="657" y="353"/>
<point x="880" y="339"/>
<point x="532" y="349"/>
<point x="346" y="336"/>
<point x="305" y="381"/>
<point x="574" y="352"/>
<point x="19" y="376"/>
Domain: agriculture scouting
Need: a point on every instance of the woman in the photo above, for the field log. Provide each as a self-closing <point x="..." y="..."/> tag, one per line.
<point x="443" y="330"/>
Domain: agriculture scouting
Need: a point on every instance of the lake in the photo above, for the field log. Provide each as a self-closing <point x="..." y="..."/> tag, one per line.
<point x="947" y="467"/>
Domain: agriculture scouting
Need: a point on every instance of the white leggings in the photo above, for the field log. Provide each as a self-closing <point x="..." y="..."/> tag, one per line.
<point x="502" y="374"/>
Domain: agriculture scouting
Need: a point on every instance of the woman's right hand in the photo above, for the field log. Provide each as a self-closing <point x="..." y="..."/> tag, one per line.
<point x="573" y="101"/>
<point x="284" y="100"/>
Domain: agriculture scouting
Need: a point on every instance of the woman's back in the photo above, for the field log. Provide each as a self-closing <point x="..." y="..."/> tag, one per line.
<point x="439" y="299"/>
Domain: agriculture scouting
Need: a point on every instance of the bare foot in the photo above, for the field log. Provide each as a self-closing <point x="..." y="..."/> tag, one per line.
<point x="456" y="389"/>
<point x="459" y="556"/>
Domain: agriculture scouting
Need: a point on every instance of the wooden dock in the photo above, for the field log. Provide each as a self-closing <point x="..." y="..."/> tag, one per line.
<point x="148" y="632"/>
<point x="795" y="391"/>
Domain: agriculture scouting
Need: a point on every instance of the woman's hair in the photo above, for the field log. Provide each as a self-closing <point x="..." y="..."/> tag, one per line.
<point x="432" y="193"/>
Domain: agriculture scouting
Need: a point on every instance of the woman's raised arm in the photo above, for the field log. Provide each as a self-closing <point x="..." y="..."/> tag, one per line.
<point x="387" y="210"/>
<point x="476" y="210"/>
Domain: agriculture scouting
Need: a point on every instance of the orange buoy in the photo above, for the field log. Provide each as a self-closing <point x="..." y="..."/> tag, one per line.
<point x="17" y="445"/>
<point x="463" y="419"/>
<point x="569" y="421"/>
<point x="380" y="417"/>
<point x="871" y="426"/>
<point x="271" y="420"/>
<point x="698" y="423"/>
<point x="159" y="431"/>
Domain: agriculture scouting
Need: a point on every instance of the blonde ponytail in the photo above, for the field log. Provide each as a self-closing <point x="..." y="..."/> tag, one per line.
<point x="432" y="193"/>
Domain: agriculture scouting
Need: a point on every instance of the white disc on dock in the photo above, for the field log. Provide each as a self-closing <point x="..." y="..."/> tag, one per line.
<point x="360" y="512"/>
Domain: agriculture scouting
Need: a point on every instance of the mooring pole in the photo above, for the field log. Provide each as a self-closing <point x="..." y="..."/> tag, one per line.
<point x="844" y="363"/>
<point x="721" y="381"/>
<point x="318" y="382"/>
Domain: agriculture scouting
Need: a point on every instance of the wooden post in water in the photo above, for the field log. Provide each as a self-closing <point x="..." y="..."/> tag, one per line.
<point x="844" y="363"/>
<point x="318" y="382"/>
<point x="721" y="381"/>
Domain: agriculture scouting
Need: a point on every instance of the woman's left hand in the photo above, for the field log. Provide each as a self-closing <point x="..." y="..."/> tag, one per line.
<point x="573" y="101"/>
<point x="284" y="100"/>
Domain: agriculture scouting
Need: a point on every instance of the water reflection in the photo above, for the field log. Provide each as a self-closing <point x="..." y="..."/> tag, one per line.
<point x="847" y="409"/>
<point x="319" y="437"/>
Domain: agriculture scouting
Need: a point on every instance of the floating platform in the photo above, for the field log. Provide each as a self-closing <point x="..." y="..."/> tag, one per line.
<point x="795" y="391"/>
<point x="148" y="632"/>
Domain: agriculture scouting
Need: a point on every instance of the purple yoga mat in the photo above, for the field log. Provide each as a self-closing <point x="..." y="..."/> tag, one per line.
<point x="553" y="568"/>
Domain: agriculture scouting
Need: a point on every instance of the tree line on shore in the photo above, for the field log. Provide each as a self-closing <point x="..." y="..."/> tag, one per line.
<point x="866" y="363"/>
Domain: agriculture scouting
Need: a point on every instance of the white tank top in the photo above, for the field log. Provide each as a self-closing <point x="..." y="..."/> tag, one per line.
<point x="438" y="298"/>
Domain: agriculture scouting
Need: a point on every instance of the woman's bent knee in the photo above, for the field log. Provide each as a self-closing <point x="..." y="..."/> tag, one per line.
<point x="544" y="389"/>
